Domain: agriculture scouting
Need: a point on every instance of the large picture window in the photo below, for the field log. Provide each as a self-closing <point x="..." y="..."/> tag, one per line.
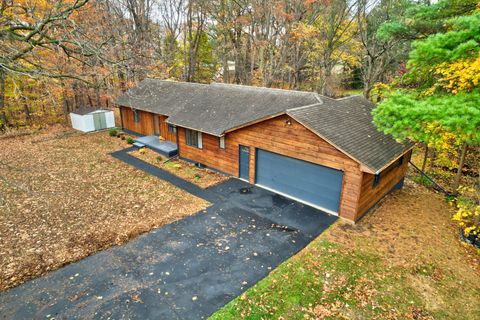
<point x="193" y="138"/>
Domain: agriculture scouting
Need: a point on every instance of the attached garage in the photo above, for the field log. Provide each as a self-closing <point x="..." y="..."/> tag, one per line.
<point x="304" y="181"/>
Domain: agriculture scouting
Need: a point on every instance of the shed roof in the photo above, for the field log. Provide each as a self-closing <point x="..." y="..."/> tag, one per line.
<point x="213" y="108"/>
<point x="219" y="108"/>
<point x="86" y="110"/>
<point x="348" y="125"/>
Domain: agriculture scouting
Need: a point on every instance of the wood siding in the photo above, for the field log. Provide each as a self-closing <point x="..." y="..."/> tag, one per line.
<point x="170" y="136"/>
<point x="277" y="136"/>
<point x="370" y="195"/>
<point x="148" y="125"/>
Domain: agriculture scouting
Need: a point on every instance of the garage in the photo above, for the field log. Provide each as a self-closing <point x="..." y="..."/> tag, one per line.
<point x="306" y="182"/>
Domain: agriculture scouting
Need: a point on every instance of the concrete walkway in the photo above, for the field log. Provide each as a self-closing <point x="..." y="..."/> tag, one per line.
<point x="184" y="270"/>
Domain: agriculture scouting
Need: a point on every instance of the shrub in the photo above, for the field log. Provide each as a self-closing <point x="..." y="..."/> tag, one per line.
<point x="142" y="150"/>
<point x="468" y="214"/>
<point x="159" y="159"/>
<point x="130" y="140"/>
<point x="113" y="133"/>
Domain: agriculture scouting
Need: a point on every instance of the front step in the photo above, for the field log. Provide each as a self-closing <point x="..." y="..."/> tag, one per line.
<point x="138" y="145"/>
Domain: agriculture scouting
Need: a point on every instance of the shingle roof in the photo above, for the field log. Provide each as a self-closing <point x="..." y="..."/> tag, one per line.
<point x="347" y="124"/>
<point x="218" y="108"/>
<point x="213" y="108"/>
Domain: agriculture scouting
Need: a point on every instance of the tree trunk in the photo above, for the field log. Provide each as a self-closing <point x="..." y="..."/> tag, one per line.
<point x="3" y="116"/>
<point x="26" y="110"/>
<point x="456" y="182"/>
<point x="425" y="157"/>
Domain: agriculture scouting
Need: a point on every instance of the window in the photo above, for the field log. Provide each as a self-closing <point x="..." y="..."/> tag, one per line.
<point x="376" y="180"/>
<point x="221" y="142"/>
<point x="136" y="115"/>
<point x="172" y="128"/>
<point x="400" y="161"/>
<point x="193" y="138"/>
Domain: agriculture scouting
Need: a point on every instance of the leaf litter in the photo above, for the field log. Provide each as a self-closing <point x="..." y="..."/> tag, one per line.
<point x="63" y="197"/>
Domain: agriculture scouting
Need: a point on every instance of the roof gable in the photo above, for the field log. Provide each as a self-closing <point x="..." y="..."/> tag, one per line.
<point x="347" y="124"/>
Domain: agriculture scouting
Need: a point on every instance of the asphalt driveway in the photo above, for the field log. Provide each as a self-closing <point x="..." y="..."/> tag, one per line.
<point x="185" y="270"/>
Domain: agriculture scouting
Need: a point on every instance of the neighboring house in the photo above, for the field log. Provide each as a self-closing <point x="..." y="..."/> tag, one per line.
<point x="320" y="151"/>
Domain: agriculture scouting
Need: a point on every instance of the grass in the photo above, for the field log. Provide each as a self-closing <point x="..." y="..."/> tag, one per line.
<point x="326" y="281"/>
<point x="403" y="261"/>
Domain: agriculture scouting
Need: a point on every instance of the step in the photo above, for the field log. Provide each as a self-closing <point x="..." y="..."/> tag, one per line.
<point x="138" y="145"/>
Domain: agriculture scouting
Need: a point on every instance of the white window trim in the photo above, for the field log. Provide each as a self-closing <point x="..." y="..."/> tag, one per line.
<point x="199" y="141"/>
<point x="222" y="142"/>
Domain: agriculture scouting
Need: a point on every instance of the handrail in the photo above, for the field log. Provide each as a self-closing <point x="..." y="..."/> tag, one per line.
<point x="437" y="186"/>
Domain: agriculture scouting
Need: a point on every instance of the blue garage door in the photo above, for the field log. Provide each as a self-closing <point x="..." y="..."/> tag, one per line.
<point x="310" y="183"/>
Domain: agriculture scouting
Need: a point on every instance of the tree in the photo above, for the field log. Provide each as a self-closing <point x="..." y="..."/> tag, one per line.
<point x="450" y="104"/>
<point x="380" y="55"/>
<point x="30" y="30"/>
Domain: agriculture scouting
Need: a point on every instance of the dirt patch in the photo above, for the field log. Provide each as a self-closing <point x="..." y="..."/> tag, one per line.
<point x="63" y="197"/>
<point x="202" y="177"/>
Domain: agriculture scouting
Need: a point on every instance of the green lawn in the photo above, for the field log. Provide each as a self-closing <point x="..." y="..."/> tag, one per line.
<point x="357" y="272"/>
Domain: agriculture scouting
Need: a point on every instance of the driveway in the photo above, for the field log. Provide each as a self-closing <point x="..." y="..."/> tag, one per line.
<point x="185" y="270"/>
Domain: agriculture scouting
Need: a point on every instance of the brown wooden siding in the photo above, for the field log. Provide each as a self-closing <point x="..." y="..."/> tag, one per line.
<point x="149" y="124"/>
<point x="170" y="136"/>
<point x="389" y="177"/>
<point x="276" y="135"/>
<point x="145" y="126"/>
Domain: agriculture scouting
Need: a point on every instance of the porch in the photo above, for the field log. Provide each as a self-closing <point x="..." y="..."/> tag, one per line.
<point x="166" y="148"/>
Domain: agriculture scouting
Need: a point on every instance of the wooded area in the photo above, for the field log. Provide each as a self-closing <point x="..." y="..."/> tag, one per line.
<point x="59" y="55"/>
<point x="418" y="59"/>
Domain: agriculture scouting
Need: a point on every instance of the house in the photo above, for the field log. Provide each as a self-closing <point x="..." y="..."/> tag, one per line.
<point x="323" y="152"/>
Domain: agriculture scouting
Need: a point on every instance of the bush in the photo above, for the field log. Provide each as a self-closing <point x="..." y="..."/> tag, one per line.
<point x="141" y="150"/>
<point x="468" y="214"/>
<point x="130" y="140"/>
<point x="113" y="133"/>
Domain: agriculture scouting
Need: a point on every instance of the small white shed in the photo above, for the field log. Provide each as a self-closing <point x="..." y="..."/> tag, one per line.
<point x="91" y="119"/>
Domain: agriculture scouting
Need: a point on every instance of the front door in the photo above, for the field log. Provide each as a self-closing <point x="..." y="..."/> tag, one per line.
<point x="156" y="125"/>
<point x="244" y="165"/>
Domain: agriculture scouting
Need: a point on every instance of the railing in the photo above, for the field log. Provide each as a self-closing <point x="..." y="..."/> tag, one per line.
<point x="436" y="186"/>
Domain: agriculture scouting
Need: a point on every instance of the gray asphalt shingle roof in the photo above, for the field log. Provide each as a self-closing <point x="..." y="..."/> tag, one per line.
<point x="217" y="108"/>
<point x="213" y="108"/>
<point x="347" y="124"/>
